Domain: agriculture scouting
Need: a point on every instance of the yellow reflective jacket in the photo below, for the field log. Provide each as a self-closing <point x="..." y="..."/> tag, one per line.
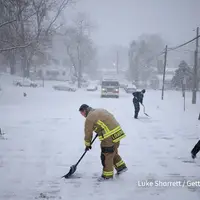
<point x="105" y="125"/>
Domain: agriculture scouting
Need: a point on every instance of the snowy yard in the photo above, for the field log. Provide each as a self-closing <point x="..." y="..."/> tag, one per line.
<point x="44" y="137"/>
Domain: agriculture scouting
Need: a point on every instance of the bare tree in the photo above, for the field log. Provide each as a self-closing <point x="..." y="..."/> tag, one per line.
<point x="26" y="31"/>
<point x="142" y="54"/>
<point x="79" y="46"/>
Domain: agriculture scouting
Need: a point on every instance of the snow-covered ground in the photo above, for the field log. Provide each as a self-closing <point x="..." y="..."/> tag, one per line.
<point x="44" y="137"/>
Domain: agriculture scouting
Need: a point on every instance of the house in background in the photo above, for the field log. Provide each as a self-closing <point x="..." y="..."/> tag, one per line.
<point x="57" y="73"/>
<point x="156" y="81"/>
<point x="111" y="73"/>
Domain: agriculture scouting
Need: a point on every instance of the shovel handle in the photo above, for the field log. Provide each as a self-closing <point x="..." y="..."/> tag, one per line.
<point x="86" y="151"/>
<point x="94" y="139"/>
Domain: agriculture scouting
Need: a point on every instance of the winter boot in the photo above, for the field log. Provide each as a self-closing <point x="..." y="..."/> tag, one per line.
<point x="122" y="171"/>
<point x="136" y="115"/>
<point x="102" y="178"/>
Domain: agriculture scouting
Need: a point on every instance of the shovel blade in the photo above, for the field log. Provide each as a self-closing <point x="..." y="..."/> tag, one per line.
<point x="71" y="171"/>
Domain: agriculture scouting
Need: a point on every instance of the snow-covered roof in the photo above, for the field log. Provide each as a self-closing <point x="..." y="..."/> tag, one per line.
<point x="168" y="77"/>
<point x="53" y="67"/>
<point x="108" y="70"/>
<point x="170" y="69"/>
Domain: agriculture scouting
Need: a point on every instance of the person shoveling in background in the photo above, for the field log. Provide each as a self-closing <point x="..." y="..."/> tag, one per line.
<point x="110" y="133"/>
<point x="138" y="98"/>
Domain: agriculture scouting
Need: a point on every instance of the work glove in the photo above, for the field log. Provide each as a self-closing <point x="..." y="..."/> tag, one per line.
<point x="88" y="148"/>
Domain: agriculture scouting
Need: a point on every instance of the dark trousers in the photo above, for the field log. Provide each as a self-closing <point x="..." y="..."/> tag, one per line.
<point x="137" y="107"/>
<point x="196" y="148"/>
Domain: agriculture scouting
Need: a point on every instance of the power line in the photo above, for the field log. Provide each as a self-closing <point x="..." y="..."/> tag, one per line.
<point x="179" y="46"/>
<point x="171" y="49"/>
<point x="152" y="58"/>
<point x="175" y="48"/>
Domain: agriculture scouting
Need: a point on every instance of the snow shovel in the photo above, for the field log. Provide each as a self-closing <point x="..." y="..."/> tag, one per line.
<point x="145" y="112"/>
<point x="73" y="167"/>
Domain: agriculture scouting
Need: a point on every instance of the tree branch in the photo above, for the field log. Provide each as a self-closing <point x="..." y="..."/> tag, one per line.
<point x="7" y="42"/>
<point x="16" y="47"/>
<point x="60" y="9"/>
<point x="8" y="22"/>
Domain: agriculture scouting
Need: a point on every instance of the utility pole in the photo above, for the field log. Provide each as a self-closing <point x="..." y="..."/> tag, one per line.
<point x="194" y="91"/>
<point x="117" y="62"/>
<point x="164" y="70"/>
<point x="184" y="87"/>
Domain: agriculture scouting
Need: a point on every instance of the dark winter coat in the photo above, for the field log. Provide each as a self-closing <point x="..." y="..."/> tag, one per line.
<point x="138" y="97"/>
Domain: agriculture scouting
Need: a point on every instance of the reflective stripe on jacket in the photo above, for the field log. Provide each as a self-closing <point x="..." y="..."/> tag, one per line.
<point x="105" y="125"/>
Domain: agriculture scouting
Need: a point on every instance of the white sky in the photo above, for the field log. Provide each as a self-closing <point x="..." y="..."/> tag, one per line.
<point x="120" y="21"/>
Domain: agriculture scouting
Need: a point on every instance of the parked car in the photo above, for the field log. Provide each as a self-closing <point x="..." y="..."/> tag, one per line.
<point x="25" y="83"/>
<point x="92" y="87"/>
<point x="123" y="85"/>
<point x="130" y="88"/>
<point x="84" y="84"/>
<point x="64" y="88"/>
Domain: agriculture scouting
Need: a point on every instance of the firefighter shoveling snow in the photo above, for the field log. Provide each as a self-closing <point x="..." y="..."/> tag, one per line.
<point x="45" y="136"/>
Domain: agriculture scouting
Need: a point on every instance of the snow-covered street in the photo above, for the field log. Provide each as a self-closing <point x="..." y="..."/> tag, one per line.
<point x="44" y="137"/>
